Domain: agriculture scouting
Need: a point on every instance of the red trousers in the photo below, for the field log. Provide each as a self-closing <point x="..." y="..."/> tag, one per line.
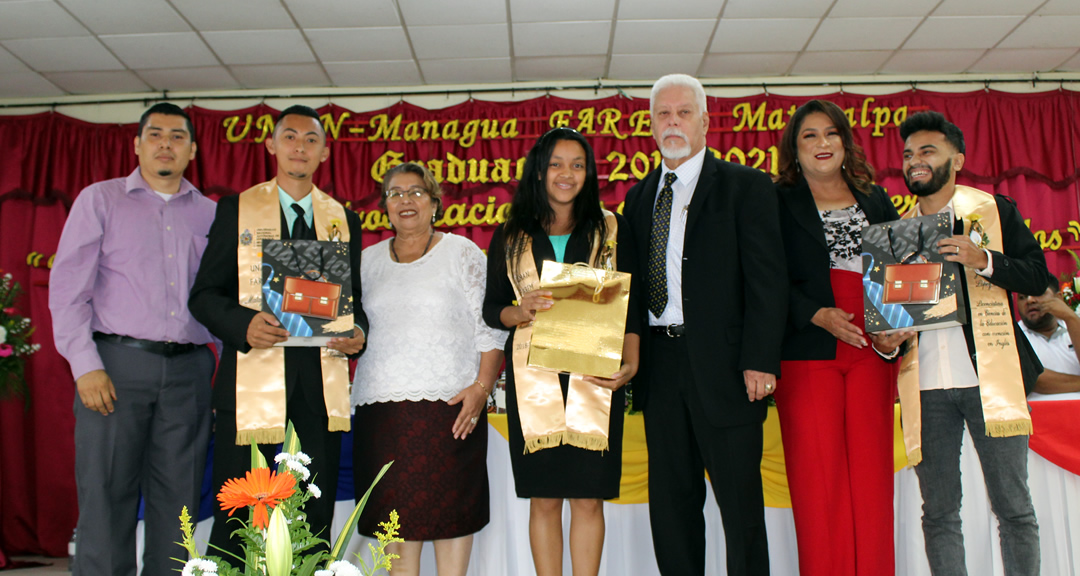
<point x="836" y="419"/>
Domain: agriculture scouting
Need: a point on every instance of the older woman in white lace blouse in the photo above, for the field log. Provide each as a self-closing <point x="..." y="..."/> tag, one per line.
<point x="421" y="387"/>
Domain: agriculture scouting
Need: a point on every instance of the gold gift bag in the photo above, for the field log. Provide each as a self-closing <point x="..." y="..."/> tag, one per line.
<point x="582" y="332"/>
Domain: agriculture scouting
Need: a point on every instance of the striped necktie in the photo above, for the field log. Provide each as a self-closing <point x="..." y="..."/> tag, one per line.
<point x="657" y="273"/>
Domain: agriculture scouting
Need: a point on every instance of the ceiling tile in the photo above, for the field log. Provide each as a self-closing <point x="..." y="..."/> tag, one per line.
<point x="840" y="63"/>
<point x="559" y="68"/>
<point x="366" y="74"/>
<point x="169" y="50"/>
<point x="986" y="7"/>
<point x="1044" y="32"/>
<point x="115" y="82"/>
<point x="931" y="61"/>
<point x="183" y="79"/>
<point x="281" y="76"/>
<point x="881" y="8"/>
<point x="9" y="63"/>
<point x="358" y="44"/>
<point x="852" y="34"/>
<point x="776" y="8"/>
<point x="681" y="10"/>
<point x="234" y="14"/>
<point x="466" y="71"/>
<point x="953" y="32"/>
<point x="651" y="66"/>
<point x="560" y="10"/>
<point x="260" y="46"/>
<point x="1060" y="8"/>
<point x="1073" y="65"/>
<point x="467" y="41"/>
<point x="1006" y="60"/>
<point x="36" y="19"/>
<point x="428" y="13"/>
<point x="763" y="35"/>
<point x="63" y="54"/>
<point x="561" y="38"/>
<point x="27" y="85"/>
<point x="742" y="65"/>
<point x="127" y="16"/>
<point x="662" y="36"/>
<point x="343" y="13"/>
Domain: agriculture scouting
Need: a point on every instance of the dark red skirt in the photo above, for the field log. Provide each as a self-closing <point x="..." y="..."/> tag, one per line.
<point x="438" y="485"/>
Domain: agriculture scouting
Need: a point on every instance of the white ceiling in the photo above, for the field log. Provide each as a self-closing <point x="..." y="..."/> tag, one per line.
<point x="51" y="48"/>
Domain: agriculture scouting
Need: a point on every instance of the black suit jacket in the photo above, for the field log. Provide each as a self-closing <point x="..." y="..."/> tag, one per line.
<point x="1021" y="267"/>
<point x="215" y="302"/>
<point x="808" y="262"/>
<point x="734" y="293"/>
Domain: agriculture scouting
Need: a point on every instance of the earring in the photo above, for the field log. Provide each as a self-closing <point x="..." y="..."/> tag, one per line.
<point x="433" y="219"/>
<point x="843" y="167"/>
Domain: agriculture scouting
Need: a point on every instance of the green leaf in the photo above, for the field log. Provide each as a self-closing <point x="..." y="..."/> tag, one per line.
<point x="338" y="551"/>
<point x="291" y="445"/>
<point x="257" y="459"/>
<point x="311" y="563"/>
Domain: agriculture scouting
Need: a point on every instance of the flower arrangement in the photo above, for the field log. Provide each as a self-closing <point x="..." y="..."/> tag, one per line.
<point x="15" y="346"/>
<point x="1070" y="284"/>
<point x="277" y="539"/>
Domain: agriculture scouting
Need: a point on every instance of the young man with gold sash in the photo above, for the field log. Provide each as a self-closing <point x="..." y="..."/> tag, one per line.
<point x="259" y="386"/>
<point x="973" y="374"/>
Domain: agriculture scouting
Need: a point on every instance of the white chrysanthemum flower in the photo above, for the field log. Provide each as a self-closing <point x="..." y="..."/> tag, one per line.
<point x="189" y="568"/>
<point x="324" y="573"/>
<point x="343" y="568"/>
<point x="302" y="458"/>
<point x="315" y="491"/>
<point x="207" y="566"/>
<point x="282" y="456"/>
<point x="299" y="469"/>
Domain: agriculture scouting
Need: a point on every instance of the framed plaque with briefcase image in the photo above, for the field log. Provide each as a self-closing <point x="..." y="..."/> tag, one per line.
<point x="907" y="284"/>
<point x="307" y="285"/>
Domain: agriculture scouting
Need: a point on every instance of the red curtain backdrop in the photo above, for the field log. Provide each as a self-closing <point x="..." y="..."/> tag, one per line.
<point x="1023" y="146"/>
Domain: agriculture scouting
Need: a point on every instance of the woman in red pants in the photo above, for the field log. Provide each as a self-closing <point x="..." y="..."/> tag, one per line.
<point x="836" y="398"/>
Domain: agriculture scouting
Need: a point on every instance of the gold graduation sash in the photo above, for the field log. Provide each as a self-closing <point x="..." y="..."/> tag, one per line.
<point x="544" y="422"/>
<point x="260" y="373"/>
<point x="1001" y="384"/>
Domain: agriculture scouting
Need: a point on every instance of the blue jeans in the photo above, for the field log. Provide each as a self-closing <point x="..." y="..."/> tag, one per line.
<point x="1004" y="465"/>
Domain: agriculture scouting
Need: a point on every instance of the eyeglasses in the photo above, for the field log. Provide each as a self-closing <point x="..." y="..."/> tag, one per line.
<point x="414" y="192"/>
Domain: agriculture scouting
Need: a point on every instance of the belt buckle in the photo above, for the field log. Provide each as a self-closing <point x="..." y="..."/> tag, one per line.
<point x="669" y="333"/>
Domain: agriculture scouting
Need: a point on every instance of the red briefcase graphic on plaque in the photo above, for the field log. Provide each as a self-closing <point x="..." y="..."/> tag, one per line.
<point x="311" y="298"/>
<point x="912" y="283"/>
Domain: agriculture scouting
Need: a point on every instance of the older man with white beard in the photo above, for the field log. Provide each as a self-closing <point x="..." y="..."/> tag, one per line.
<point x="710" y="233"/>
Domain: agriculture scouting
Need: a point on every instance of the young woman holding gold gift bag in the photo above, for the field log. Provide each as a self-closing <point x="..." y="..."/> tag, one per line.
<point x="565" y="429"/>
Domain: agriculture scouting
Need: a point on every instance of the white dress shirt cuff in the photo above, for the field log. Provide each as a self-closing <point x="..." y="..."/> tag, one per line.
<point x="989" y="270"/>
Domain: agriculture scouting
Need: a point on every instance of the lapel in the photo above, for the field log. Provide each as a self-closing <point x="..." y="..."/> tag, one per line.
<point x="642" y="219"/>
<point x="805" y="212"/>
<point x="706" y="183"/>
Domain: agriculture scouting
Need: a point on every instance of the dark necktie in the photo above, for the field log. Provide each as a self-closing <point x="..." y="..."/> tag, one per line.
<point x="300" y="229"/>
<point x="657" y="274"/>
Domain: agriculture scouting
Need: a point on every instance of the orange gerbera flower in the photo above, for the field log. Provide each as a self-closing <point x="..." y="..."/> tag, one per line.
<point x="259" y="488"/>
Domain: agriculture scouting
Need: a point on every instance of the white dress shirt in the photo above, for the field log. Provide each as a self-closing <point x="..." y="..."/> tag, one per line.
<point x="944" y="362"/>
<point x="682" y="192"/>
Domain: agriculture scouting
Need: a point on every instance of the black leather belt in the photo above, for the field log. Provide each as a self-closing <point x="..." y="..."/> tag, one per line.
<point x="167" y="349"/>
<point x="670" y="331"/>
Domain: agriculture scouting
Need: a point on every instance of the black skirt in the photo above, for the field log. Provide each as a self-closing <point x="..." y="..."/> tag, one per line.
<point x="565" y="471"/>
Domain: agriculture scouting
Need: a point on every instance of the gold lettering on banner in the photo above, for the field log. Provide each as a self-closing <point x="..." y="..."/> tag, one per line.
<point x="230" y="126"/>
<point x="468" y="137"/>
<point x="265" y="125"/>
<point x="616" y="173"/>
<point x="904" y="203"/>
<point x="385" y="129"/>
<point x="586" y="121"/>
<point x="500" y="171"/>
<point x="560" y="118"/>
<point x="455" y="170"/>
<point x="641" y="123"/>
<point x="384" y="163"/>
<point x="610" y="117"/>
<point x="749" y="118"/>
<point x="333" y="128"/>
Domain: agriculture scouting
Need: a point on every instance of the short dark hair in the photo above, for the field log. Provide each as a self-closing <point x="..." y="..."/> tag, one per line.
<point x="299" y="110"/>
<point x="933" y="122"/>
<point x="168" y="109"/>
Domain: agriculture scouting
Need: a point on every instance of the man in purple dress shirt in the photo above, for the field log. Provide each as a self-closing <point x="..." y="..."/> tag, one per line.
<point x="118" y="295"/>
